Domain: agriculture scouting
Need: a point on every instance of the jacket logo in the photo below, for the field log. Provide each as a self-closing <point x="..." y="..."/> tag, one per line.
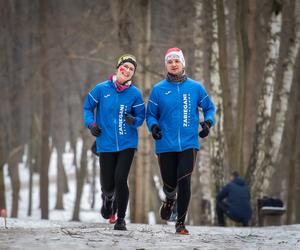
<point x="168" y="92"/>
<point x="108" y="95"/>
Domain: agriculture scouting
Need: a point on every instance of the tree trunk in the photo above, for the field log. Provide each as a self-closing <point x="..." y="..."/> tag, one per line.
<point x="2" y="162"/>
<point x="13" y="168"/>
<point x="296" y="157"/>
<point x="226" y="93"/>
<point x="2" y="188"/>
<point x="292" y="172"/>
<point x="93" y="185"/>
<point x="81" y="175"/>
<point x="60" y="183"/>
<point x="46" y="113"/>
<point x="217" y="133"/>
<point x="266" y="98"/>
<point x="33" y="152"/>
<point x="280" y="112"/>
<point x="196" y="196"/>
<point x="199" y="42"/>
<point x="238" y="152"/>
<point x="142" y="184"/>
<point x="297" y="174"/>
<point x="201" y="178"/>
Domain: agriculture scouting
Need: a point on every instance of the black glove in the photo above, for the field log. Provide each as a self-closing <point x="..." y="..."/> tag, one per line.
<point x="129" y="119"/>
<point x="205" y="128"/>
<point x="95" y="130"/>
<point x="94" y="148"/>
<point x="156" y="132"/>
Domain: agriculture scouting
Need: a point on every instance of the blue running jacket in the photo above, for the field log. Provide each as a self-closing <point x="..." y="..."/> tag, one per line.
<point x="111" y="106"/>
<point x="174" y="107"/>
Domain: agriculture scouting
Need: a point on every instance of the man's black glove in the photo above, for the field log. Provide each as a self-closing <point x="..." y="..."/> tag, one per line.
<point x="95" y="130"/>
<point x="205" y="128"/>
<point x="94" y="148"/>
<point x="156" y="132"/>
<point x="129" y="119"/>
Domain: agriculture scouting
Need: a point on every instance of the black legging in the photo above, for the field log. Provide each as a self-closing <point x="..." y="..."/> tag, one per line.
<point x="114" y="170"/>
<point x="176" y="169"/>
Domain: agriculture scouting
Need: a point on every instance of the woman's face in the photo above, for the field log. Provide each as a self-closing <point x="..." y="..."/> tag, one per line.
<point x="125" y="72"/>
<point x="174" y="66"/>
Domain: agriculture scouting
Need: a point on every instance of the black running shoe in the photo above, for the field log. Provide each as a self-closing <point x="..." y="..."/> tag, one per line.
<point x="107" y="206"/>
<point x="120" y="224"/>
<point x="180" y="228"/>
<point x="166" y="209"/>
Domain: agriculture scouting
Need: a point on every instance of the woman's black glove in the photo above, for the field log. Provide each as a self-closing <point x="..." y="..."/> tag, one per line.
<point x="95" y="130"/>
<point x="130" y="120"/>
<point x="205" y="128"/>
<point x="156" y="132"/>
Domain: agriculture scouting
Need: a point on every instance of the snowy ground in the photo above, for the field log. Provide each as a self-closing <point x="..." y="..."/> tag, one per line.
<point x="29" y="234"/>
<point x="93" y="231"/>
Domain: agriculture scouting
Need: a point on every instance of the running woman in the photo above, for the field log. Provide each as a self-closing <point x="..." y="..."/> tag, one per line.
<point x="120" y="110"/>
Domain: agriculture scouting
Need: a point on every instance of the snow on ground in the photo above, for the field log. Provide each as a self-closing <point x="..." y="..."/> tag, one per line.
<point x="93" y="231"/>
<point x="30" y="234"/>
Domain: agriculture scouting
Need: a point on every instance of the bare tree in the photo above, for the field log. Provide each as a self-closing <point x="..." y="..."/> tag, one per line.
<point x="46" y="112"/>
<point x="226" y="90"/>
<point x="266" y="98"/>
<point x="278" y="118"/>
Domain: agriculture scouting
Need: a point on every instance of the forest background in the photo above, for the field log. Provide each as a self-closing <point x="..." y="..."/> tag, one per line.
<point x="245" y="53"/>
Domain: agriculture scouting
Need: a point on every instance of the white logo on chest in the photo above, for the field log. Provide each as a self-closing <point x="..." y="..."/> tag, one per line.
<point x="168" y="92"/>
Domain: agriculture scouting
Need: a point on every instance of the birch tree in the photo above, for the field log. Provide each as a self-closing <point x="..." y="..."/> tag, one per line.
<point x="279" y="113"/>
<point x="266" y="98"/>
<point x="217" y="133"/>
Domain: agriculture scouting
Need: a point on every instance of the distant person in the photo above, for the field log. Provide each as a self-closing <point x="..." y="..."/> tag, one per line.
<point x="234" y="201"/>
<point x="120" y="110"/>
<point x="173" y="119"/>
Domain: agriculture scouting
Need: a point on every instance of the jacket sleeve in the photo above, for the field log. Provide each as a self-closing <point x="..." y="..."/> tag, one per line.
<point x="207" y="106"/>
<point x="91" y="101"/>
<point x="152" y="113"/>
<point x="138" y="111"/>
<point x="223" y="193"/>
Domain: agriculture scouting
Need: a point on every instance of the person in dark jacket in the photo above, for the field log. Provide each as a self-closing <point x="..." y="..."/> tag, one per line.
<point x="234" y="201"/>
<point x="173" y="119"/>
<point x="120" y="110"/>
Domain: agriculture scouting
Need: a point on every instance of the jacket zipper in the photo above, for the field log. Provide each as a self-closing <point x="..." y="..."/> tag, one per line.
<point x="117" y="123"/>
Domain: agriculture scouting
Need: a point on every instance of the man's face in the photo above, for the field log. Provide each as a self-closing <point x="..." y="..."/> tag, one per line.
<point x="174" y="66"/>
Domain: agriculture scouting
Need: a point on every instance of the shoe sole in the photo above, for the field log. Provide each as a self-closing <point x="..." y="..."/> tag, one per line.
<point x="120" y="229"/>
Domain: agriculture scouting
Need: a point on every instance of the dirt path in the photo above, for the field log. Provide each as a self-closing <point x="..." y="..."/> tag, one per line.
<point x="24" y="234"/>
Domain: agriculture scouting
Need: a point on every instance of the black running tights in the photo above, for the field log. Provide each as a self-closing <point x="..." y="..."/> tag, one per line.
<point x="114" y="170"/>
<point x="176" y="169"/>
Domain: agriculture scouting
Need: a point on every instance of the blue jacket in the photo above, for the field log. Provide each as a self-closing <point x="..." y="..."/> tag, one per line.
<point x="174" y="107"/>
<point x="111" y="107"/>
<point x="237" y="195"/>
